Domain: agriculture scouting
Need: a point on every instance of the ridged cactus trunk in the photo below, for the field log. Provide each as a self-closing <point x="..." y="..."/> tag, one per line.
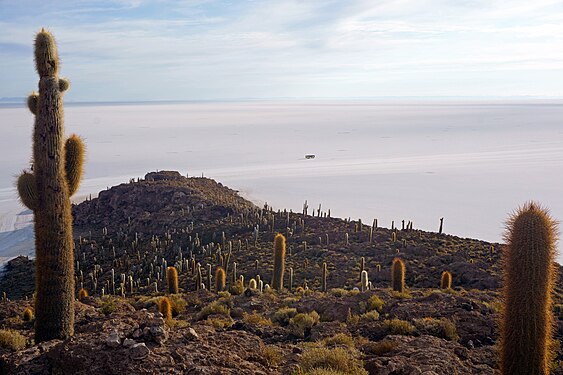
<point x="55" y="176"/>
<point x="528" y="277"/>
<point x="279" y="261"/>
<point x="172" y="280"/>
<point x="398" y="275"/>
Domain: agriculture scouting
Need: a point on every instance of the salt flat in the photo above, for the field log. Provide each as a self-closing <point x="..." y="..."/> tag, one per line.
<point x="471" y="162"/>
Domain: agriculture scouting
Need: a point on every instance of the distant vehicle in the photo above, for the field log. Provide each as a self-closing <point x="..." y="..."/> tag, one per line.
<point x="310" y="156"/>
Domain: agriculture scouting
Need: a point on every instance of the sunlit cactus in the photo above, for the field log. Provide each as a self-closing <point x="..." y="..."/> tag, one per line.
<point x="279" y="261"/>
<point x="220" y="279"/>
<point x="446" y="280"/>
<point x="56" y="175"/>
<point x="172" y="280"/>
<point x="529" y="277"/>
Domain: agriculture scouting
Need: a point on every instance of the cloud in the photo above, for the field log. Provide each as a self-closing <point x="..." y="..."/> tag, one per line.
<point x="163" y="49"/>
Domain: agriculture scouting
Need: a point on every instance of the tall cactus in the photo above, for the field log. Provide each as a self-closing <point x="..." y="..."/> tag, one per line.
<point x="324" y="277"/>
<point x="529" y="278"/>
<point x="279" y="261"/>
<point x="172" y="280"/>
<point x="446" y="280"/>
<point x="57" y="170"/>
<point x="398" y="275"/>
<point x="220" y="279"/>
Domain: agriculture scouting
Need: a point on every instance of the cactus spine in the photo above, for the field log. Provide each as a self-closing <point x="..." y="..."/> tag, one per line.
<point x="57" y="170"/>
<point x="172" y="280"/>
<point x="398" y="275"/>
<point x="279" y="261"/>
<point x="220" y="279"/>
<point x="446" y="280"/>
<point x="529" y="277"/>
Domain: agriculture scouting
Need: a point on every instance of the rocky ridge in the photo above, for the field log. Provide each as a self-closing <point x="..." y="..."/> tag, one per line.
<point x="139" y="228"/>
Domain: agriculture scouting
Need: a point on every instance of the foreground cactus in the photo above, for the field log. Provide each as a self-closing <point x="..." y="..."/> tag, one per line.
<point x="529" y="278"/>
<point x="57" y="170"/>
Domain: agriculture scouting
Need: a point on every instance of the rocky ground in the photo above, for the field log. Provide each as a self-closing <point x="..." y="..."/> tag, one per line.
<point x="132" y="232"/>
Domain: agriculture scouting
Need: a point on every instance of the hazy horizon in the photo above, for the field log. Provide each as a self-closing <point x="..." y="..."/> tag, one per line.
<point x="471" y="163"/>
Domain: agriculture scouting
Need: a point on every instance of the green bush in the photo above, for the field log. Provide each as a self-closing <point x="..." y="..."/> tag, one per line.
<point x="375" y="303"/>
<point x="303" y="322"/>
<point x="12" y="340"/>
<point x="284" y="315"/>
<point x="340" y="339"/>
<point x="336" y="360"/>
<point x="398" y="327"/>
<point x="370" y="316"/>
<point x="216" y="307"/>
<point x="108" y="306"/>
<point x="442" y="328"/>
<point x="380" y="348"/>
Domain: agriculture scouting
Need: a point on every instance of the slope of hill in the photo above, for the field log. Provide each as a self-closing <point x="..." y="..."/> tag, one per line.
<point x="126" y="238"/>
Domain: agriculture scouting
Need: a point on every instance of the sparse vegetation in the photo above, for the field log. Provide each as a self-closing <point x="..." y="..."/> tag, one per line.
<point x="11" y="340"/>
<point x="442" y="328"/>
<point x="301" y="323"/>
<point x="331" y="359"/>
<point x="380" y="347"/>
<point x="398" y="327"/>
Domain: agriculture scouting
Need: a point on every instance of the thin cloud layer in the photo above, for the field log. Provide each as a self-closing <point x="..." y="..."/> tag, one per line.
<point x="189" y="50"/>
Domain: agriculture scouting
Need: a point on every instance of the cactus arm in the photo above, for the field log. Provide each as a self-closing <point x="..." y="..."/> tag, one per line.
<point x="64" y="84"/>
<point x="32" y="102"/>
<point x="74" y="162"/>
<point x="27" y="190"/>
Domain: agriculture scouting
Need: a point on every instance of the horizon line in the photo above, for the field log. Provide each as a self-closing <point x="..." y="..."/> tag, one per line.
<point x="22" y="100"/>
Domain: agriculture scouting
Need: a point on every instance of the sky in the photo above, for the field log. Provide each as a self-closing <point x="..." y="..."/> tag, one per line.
<point x="129" y="50"/>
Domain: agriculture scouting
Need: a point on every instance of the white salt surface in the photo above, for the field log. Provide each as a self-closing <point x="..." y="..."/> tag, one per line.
<point x="469" y="162"/>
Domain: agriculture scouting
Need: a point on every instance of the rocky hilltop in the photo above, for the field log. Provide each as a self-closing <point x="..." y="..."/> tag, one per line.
<point x="127" y="237"/>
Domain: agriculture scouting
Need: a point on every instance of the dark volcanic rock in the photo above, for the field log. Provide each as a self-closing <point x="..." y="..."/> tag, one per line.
<point x="17" y="279"/>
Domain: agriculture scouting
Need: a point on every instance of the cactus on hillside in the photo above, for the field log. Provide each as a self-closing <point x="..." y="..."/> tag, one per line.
<point x="165" y="308"/>
<point x="528" y="281"/>
<point x="290" y="278"/>
<point x="446" y="280"/>
<point x="279" y="262"/>
<point x="398" y="275"/>
<point x="172" y="280"/>
<point x="57" y="170"/>
<point x="364" y="282"/>
<point x="27" y="315"/>
<point x="82" y="293"/>
<point x="323" y="281"/>
<point x="220" y="279"/>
